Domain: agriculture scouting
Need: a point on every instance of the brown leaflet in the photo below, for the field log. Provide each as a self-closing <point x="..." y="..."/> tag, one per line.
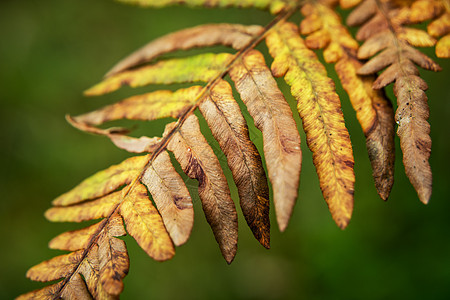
<point x="117" y="136"/>
<point x="90" y="270"/>
<point x="103" y="265"/>
<point x="171" y="197"/>
<point x="199" y="162"/>
<point x="412" y="111"/>
<point x="273" y="117"/>
<point x="376" y="116"/>
<point x="113" y="257"/>
<point x="76" y="289"/>
<point x="47" y="292"/>
<point x="414" y="130"/>
<point x="145" y="225"/>
<point x="229" y="128"/>
<point x="233" y="35"/>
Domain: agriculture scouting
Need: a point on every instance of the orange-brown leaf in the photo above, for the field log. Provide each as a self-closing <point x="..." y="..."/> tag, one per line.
<point x="171" y="197"/>
<point x="118" y="137"/>
<point x="233" y="35"/>
<point x="113" y="257"/>
<point x="273" y="116"/>
<point x="145" y="225"/>
<point x="199" y="162"/>
<point x="414" y="130"/>
<point x="229" y="128"/>
<point x="48" y="292"/>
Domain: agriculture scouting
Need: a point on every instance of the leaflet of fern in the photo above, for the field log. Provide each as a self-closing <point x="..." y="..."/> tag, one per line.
<point x="232" y="35"/>
<point x="147" y="107"/>
<point x="395" y="41"/>
<point x="274" y="5"/>
<point x="203" y="67"/>
<point x="103" y="267"/>
<point x="272" y="115"/>
<point x="414" y="132"/>
<point x="171" y="197"/>
<point x="229" y="128"/>
<point x="145" y="225"/>
<point x="76" y="239"/>
<point x="323" y="122"/>
<point x="199" y="162"/>
<point x="423" y="10"/>
<point x="376" y="116"/>
<point x="103" y="182"/>
<point x="373" y="110"/>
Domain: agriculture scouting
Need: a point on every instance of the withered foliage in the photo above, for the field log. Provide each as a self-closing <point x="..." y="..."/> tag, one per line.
<point x="144" y="195"/>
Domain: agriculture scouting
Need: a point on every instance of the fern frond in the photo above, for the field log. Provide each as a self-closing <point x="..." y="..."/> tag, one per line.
<point x="121" y="196"/>
<point x="373" y="110"/>
<point x="384" y="31"/>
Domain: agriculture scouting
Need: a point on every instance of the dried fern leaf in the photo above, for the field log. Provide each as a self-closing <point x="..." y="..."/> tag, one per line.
<point x="145" y="225"/>
<point x="414" y="132"/>
<point x="373" y="109"/>
<point x="323" y="122"/>
<point x="171" y="197"/>
<point x="199" y="162"/>
<point x="103" y="267"/>
<point x="232" y="35"/>
<point x="229" y="128"/>
<point x="396" y="43"/>
<point x="272" y="115"/>
<point x="118" y="137"/>
<point x="275" y="6"/>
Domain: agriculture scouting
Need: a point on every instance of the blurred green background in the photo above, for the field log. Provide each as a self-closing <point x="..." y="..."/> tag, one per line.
<point x="52" y="50"/>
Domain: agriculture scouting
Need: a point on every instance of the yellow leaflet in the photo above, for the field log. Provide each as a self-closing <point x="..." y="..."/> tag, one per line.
<point x="146" y="107"/>
<point x="104" y="182"/>
<point x="145" y="225"/>
<point x="274" y="5"/>
<point x="319" y="107"/>
<point x="203" y="67"/>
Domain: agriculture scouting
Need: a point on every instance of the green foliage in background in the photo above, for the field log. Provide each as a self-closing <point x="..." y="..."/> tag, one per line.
<point x="52" y="50"/>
